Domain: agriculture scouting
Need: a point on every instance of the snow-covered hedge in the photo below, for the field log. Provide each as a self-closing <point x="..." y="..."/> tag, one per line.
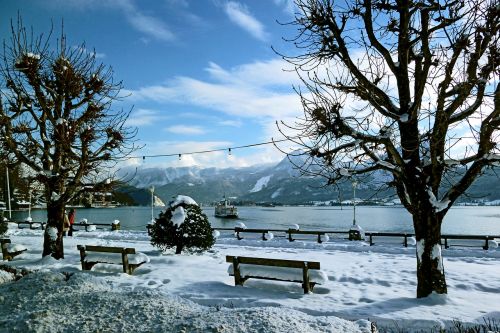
<point x="182" y="226"/>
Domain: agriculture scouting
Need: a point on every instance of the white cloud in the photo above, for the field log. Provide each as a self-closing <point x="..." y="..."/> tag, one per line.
<point x="232" y="123"/>
<point x="288" y="5"/>
<point x="186" y="130"/>
<point x="256" y="90"/>
<point x="240" y="15"/>
<point x="144" y="117"/>
<point x="149" y="25"/>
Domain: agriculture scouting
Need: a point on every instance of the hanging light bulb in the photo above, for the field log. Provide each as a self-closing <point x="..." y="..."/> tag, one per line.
<point x="229" y="151"/>
<point x="180" y="156"/>
<point x="144" y="159"/>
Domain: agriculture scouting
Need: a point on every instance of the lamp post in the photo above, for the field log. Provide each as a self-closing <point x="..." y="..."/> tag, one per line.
<point x="8" y="192"/>
<point x="29" y="205"/>
<point x="152" y="189"/>
<point x="354" y="184"/>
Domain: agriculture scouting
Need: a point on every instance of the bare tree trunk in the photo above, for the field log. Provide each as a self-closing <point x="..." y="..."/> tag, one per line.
<point x="53" y="236"/>
<point x="430" y="269"/>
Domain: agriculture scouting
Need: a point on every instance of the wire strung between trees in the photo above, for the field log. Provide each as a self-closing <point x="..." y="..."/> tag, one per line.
<point x="229" y="150"/>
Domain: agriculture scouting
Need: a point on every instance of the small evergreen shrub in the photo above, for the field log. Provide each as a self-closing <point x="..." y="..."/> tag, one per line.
<point x="3" y="228"/>
<point x="182" y="226"/>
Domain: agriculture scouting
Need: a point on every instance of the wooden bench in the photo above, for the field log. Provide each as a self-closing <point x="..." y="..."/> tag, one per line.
<point x="265" y="232"/>
<point x="388" y="237"/>
<point x="294" y="271"/>
<point x="90" y="259"/>
<point x="486" y="242"/>
<point x="321" y="234"/>
<point x="31" y="224"/>
<point x="9" y="251"/>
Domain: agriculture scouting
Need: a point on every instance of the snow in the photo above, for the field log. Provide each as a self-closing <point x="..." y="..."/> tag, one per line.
<point x="358" y="228"/>
<point x="492" y="157"/>
<point x="268" y="235"/>
<point x="116" y="258"/>
<point x="115" y="222"/>
<point x="194" y="293"/>
<point x="240" y="225"/>
<point x="294" y="227"/>
<point x="33" y="55"/>
<point x="344" y="172"/>
<point x="420" y="249"/>
<point x="436" y="255"/>
<point x="183" y="199"/>
<point x="52" y="232"/>
<point x="386" y="164"/>
<point x="15" y="247"/>
<point x="277" y="193"/>
<point x="178" y="216"/>
<point x="439" y="205"/>
<point x="261" y="183"/>
<point x="404" y="118"/>
<point x="91" y="228"/>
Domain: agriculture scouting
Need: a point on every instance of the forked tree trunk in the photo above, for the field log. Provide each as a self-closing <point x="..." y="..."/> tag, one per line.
<point x="53" y="236"/>
<point x="430" y="269"/>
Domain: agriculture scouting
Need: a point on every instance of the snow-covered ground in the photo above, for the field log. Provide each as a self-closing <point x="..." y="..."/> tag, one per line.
<point x="194" y="293"/>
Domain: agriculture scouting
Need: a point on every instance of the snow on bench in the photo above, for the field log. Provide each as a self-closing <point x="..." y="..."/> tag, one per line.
<point x="91" y="255"/>
<point x="9" y="250"/>
<point x="306" y="272"/>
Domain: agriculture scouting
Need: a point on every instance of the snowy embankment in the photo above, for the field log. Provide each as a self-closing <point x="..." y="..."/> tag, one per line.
<point x="195" y="293"/>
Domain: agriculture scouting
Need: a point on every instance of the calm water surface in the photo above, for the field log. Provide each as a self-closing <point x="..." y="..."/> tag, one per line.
<point x="459" y="220"/>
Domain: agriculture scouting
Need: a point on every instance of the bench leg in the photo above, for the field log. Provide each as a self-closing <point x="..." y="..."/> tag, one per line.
<point x="238" y="281"/>
<point x="305" y="279"/>
<point x="126" y="268"/>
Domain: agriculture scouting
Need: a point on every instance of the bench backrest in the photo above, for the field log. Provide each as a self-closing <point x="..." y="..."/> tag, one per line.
<point x="305" y="232"/>
<point x="95" y="248"/>
<point x="275" y="262"/>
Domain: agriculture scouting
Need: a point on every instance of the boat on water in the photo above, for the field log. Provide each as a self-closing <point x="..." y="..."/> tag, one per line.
<point x="224" y="209"/>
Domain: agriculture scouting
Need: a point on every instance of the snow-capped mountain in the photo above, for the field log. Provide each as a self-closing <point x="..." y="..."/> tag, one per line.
<point x="280" y="183"/>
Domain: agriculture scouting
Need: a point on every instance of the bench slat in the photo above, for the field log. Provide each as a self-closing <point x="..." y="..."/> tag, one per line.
<point x="275" y="262"/>
<point x="94" y="248"/>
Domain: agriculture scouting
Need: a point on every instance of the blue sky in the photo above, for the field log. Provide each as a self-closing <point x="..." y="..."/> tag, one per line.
<point x="201" y="74"/>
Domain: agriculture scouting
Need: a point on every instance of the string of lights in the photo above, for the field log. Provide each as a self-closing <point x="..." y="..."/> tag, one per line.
<point x="229" y="150"/>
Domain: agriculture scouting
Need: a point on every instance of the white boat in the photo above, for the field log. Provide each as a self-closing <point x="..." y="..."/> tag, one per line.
<point x="224" y="209"/>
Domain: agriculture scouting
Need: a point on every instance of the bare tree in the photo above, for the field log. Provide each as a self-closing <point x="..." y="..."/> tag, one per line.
<point x="56" y="118"/>
<point x="406" y="87"/>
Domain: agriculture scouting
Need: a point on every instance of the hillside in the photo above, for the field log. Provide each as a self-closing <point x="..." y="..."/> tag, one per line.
<point x="279" y="183"/>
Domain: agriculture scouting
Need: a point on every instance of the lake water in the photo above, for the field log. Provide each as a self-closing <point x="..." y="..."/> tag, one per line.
<point x="483" y="220"/>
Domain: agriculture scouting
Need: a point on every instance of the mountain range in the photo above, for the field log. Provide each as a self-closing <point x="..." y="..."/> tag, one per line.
<point x="279" y="184"/>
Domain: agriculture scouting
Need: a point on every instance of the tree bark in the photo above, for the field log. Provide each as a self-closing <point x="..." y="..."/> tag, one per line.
<point x="430" y="269"/>
<point x="53" y="235"/>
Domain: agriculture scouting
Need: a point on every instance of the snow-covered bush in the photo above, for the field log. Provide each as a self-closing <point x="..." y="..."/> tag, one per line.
<point x="183" y="226"/>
